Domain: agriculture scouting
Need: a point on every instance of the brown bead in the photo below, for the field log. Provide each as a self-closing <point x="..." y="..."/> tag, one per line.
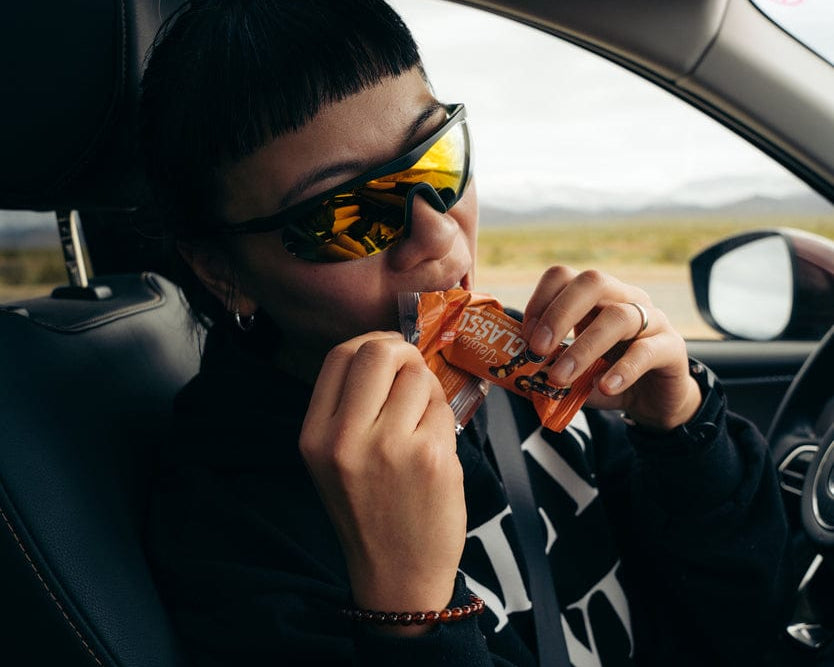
<point x="476" y="606"/>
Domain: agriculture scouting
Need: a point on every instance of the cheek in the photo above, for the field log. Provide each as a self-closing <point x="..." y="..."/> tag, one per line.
<point x="465" y="212"/>
<point x="316" y="304"/>
<point x="329" y="310"/>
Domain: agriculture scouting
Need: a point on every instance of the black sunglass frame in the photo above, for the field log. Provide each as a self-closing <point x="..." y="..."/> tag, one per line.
<point x="457" y="114"/>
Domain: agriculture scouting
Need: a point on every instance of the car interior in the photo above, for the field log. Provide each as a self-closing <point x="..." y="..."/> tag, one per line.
<point x="88" y="373"/>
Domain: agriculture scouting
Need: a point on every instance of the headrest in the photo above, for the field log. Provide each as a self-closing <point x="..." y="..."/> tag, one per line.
<point x="69" y="85"/>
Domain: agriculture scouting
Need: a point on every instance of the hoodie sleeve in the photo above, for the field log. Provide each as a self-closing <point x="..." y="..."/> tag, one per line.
<point x="704" y="539"/>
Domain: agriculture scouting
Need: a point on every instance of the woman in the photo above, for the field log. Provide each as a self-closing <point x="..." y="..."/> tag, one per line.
<point x="315" y="465"/>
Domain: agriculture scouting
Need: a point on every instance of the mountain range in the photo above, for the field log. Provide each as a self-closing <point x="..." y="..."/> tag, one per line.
<point x="752" y="206"/>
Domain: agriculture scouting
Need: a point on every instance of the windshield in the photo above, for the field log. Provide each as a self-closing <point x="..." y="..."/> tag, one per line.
<point x="809" y="21"/>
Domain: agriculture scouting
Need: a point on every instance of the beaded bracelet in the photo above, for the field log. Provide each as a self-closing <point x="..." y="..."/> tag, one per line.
<point x="476" y="606"/>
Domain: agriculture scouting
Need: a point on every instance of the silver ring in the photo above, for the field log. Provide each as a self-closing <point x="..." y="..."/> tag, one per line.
<point x="644" y="317"/>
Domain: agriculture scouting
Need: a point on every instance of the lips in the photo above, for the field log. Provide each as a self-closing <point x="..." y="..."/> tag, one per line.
<point x="463" y="283"/>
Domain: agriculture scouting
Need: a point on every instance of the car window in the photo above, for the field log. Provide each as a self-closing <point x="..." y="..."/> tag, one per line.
<point x="31" y="262"/>
<point x="577" y="161"/>
<point x="580" y="162"/>
<point x="809" y="21"/>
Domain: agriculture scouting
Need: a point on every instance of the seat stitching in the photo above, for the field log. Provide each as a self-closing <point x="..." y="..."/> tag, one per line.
<point x="45" y="585"/>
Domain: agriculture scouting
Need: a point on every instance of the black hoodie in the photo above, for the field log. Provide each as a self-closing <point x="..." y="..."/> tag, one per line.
<point x="661" y="554"/>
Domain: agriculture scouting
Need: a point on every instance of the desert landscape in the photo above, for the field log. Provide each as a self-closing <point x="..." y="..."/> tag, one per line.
<point x="652" y="252"/>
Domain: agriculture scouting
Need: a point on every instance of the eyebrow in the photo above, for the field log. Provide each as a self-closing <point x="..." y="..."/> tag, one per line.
<point x="352" y="166"/>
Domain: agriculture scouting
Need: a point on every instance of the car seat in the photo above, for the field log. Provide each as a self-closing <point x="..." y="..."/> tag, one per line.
<point x="87" y="375"/>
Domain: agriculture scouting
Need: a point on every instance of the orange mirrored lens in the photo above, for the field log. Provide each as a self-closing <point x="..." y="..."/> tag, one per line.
<point x="441" y="166"/>
<point x="370" y="219"/>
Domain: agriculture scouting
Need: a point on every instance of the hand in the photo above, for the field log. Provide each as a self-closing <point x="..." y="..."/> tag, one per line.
<point x="379" y="440"/>
<point x="650" y="380"/>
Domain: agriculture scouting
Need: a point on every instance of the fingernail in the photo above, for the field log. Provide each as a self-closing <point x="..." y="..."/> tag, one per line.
<point x="563" y="370"/>
<point x="542" y="337"/>
<point x="613" y="383"/>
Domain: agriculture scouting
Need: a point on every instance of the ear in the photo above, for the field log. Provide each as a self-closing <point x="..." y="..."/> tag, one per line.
<point x="212" y="268"/>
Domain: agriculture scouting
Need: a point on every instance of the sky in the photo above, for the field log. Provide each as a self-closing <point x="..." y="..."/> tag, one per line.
<point x="811" y="20"/>
<point x="596" y="135"/>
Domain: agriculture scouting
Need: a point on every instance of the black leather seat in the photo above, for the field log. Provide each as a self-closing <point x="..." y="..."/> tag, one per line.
<point x="85" y="393"/>
<point x="85" y="385"/>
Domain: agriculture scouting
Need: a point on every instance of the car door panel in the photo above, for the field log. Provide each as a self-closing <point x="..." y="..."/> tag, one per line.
<point x="755" y="374"/>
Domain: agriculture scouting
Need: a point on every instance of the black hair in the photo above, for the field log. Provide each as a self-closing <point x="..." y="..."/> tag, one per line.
<point x="225" y="77"/>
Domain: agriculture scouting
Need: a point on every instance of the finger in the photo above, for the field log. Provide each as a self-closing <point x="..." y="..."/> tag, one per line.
<point x="588" y="291"/>
<point x="662" y="350"/>
<point x="413" y="387"/>
<point x="329" y="386"/>
<point x="612" y="324"/>
<point x="370" y="378"/>
<point x="550" y="284"/>
<point x="438" y="423"/>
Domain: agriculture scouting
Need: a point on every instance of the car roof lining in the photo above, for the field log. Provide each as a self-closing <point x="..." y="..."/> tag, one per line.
<point x="622" y="38"/>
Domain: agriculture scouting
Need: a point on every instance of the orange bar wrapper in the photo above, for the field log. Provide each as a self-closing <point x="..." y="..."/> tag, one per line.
<point x="457" y="331"/>
<point x="464" y="391"/>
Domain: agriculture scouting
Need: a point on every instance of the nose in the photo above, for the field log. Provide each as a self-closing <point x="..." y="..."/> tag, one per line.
<point x="430" y="195"/>
<point x="430" y="232"/>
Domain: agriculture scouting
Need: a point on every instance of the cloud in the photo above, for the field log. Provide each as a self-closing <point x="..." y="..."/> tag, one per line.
<point x="548" y="117"/>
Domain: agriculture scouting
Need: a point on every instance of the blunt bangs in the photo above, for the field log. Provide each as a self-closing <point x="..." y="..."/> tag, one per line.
<point x="227" y="76"/>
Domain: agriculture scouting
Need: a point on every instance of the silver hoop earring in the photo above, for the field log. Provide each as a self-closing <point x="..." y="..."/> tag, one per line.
<point x="244" y="322"/>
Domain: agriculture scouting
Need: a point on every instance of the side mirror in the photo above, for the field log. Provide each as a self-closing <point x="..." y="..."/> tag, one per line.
<point x="767" y="285"/>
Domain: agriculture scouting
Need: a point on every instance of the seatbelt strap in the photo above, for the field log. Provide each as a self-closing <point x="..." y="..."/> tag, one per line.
<point x="506" y="446"/>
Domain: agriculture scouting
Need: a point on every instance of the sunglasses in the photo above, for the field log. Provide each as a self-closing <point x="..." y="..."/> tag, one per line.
<point x="372" y="212"/>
